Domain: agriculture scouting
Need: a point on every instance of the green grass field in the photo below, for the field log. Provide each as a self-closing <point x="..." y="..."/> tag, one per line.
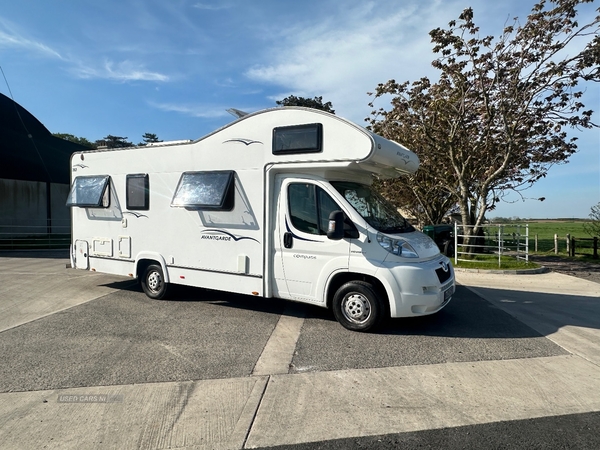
<point x="545" y="231"/>
<point x="513" y="238"/>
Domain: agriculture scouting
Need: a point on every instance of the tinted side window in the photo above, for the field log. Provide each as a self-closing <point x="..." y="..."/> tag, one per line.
<point x="303" y="207"/>
<point x="298" y="139"/>
<point x="137" y="192"/>
<point x="310" y="207"/>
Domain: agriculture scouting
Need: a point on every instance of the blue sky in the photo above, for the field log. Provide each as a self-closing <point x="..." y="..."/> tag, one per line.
<point x="172" y="67"/>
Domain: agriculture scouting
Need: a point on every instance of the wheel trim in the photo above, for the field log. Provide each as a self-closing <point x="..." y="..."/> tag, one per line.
<point x="154" y="281"/>
<point x="356" y="308"/>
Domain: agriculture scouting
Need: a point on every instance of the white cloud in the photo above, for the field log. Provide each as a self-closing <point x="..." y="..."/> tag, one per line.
<point x="210" y="7"/>
<point x="122" y="71"/>
<point x="343" y="57"/>
<point x="203" y="111"/>
<point x="10" y="38"/>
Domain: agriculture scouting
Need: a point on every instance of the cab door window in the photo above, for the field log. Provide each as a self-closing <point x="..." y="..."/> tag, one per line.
<point x="309" y="208"/>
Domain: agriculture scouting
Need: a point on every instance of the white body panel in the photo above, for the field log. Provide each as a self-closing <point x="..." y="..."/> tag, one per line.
<point x="242" y="250"/>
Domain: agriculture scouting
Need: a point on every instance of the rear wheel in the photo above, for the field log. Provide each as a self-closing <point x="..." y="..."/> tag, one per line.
<point x="153" y="282"/>
<point x="358" y="307"/>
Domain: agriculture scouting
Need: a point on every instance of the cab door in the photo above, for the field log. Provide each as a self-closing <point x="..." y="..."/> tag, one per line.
<point x="304" y="257"/>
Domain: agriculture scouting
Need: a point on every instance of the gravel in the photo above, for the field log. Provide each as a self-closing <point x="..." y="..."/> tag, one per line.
<point x="581" y="269"/>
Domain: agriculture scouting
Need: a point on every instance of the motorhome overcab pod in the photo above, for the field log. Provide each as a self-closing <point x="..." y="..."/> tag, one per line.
<point x="276" y="204"/>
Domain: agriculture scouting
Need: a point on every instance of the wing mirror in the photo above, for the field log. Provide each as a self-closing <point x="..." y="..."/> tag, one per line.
<point x="335" y="229"/>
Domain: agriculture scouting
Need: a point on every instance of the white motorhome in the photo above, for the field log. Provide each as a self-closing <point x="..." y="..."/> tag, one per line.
<point x="276" y="204"/>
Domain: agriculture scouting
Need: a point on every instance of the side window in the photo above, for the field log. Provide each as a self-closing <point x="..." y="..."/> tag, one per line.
<point x="137" y="192"/>
<point x="212" y="191"/>
<point x="310" y="207"/>
<point x="90" y="192"/>
<point x="303" y="207"/>
<point x="298" y="139"/>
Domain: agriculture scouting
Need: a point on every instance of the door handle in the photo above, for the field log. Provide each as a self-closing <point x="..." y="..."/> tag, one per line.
<point x="288" y="240"/>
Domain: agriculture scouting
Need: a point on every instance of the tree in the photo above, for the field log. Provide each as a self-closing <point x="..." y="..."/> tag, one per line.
<point x="148" y="138"/>
<point x="593" y="227"/>
<point x="75" y="139"/>
<point x="419" y="195"/>
<point x="111" y="141"/>
<point x="425" y="195"/>
<point x="315" y="103"/>
<point x="497" y="118"/>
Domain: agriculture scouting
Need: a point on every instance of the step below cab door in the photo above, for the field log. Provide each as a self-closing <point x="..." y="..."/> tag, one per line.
<point x="304" y="258"/>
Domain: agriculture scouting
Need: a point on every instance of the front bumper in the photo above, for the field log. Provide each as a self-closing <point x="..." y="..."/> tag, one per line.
<point x="419" y="289"/>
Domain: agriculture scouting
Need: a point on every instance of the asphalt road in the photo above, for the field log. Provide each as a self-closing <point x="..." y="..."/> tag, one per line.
<point x="125" y="338"/>
<point x="574" y="431"/>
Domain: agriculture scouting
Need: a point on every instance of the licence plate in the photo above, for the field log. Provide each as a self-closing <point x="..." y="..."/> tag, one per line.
<point x="448" y="293"/>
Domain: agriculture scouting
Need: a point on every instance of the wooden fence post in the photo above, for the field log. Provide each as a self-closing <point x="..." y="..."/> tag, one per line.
<point x="556" y="244"/>
<point x="572" y="252"/>
<point x="536" y="243"/>
<point x="595" y="247"/>
<point x="568" y="244"/>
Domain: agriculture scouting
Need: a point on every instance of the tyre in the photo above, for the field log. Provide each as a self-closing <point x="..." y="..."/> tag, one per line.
<point x="153" y="282"/>
<point x="358" y="307"/>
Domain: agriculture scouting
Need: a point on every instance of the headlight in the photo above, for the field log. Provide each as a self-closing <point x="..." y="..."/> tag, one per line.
<point x="397" y="247"/>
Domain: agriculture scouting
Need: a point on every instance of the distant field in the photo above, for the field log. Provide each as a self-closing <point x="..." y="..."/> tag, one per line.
<point x="546" y="229"/>
<point x="514" y="236"/>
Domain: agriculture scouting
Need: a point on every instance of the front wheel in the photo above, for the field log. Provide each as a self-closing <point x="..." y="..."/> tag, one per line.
<point x="153" y="282"/>
<point x="358" y="307"/>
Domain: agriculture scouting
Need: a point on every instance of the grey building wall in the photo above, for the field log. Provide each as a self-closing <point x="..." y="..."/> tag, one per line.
<point x="27" y="206"/>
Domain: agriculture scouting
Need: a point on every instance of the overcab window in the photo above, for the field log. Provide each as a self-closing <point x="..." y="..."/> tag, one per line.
<point x="138" y="192"/>
<point x="205" y="191"/>
<point x="298" y="139"/>
<point x="90" y="192"/>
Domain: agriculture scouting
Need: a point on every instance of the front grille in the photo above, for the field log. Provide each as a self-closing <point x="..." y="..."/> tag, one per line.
<point x="443" y="275"/>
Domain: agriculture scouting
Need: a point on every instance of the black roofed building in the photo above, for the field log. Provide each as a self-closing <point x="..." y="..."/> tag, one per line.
<point x="34" y="178"/>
